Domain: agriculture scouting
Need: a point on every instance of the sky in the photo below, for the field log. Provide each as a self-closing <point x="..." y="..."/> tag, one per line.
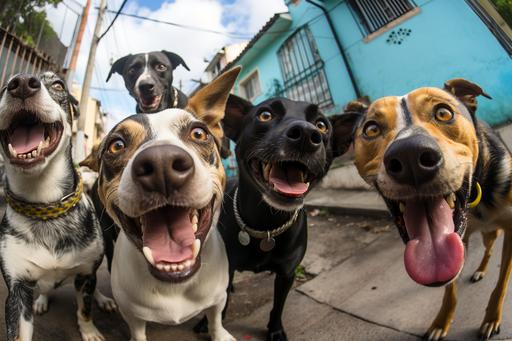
<point x="237" y="20"/>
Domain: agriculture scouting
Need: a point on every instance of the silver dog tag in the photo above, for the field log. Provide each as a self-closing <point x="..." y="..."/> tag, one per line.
<point x="267" y="244"/>
<point x="244" y="238"/>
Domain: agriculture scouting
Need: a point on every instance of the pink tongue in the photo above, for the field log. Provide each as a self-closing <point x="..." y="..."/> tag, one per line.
<point x="434" y="253"/>
<point x="26" y="138"/>
<point x="287" y="181"/>
<point x="168" y="233"/>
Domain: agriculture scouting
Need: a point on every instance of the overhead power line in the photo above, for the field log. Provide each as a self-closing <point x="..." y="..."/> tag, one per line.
<point x="115" y="18"/>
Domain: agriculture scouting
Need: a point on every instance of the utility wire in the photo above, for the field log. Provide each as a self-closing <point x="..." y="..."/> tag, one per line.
<point x="114" y="20"/>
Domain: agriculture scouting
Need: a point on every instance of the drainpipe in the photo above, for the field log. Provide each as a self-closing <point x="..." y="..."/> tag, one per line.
<point x="340" y="47"/>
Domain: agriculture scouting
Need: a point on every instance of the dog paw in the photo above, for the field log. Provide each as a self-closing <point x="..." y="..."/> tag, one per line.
<point x="90" y="333"/>
<point x="435" y="334"/>
<point x="105" y="303"/>
<point x="477" y="276"/>
<point x="202" y="326"/>
<point x="40" y="306"/>
<point x="222" y="335"/>
<point x="489" y="329"/>
<point x="278" y="335"/>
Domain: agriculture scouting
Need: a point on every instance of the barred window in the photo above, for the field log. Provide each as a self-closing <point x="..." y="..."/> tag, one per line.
<point x="303" y="70"/>
<point x="375" y="14"/>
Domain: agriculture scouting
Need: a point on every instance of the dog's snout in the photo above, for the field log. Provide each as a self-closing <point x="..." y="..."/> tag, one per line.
<point x="146" y="87"/>
<point x="162" y="169"/>
<point x="23" y="86"/>
<point x="304" y="135"/>
<point x="413" y="160"/>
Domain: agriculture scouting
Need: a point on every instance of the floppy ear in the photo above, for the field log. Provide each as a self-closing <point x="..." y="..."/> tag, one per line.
<point x="118" y="66"/>
<point x="92" y="161"/>
<point x="465" y="91"/>
<point x="236" y="109"/>
<point x="344" y="125"/>
<point x="209" y="103"/>
<point x="175" y="60"/>
<point x="74" y="107"/>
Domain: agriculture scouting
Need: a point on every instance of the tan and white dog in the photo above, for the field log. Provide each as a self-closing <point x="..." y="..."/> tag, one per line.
<point x="433" y="162"/>
<point x="162" y="181"/>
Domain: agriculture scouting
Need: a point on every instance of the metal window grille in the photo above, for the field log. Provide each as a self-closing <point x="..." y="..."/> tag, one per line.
<point x="303" y="70"/>
<point x="375" y="14"/>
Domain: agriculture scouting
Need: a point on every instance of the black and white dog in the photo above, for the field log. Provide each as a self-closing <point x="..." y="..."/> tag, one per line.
<point x="49" y="234"/>
<point x="148" y="78"/>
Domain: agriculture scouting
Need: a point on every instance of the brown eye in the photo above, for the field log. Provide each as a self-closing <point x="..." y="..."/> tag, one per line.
<point x="199" y="134"/>
<point x="265" y="116"/>
<point x="161" y="67"/>
<point x="116" y="146"/>
<point x="371" y="129"/>
<point x="321" y="125"/>
<point x="444" y="114"/>
<point x="57" y="86"/>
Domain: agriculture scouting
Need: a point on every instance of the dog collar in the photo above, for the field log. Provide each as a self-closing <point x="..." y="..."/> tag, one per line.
<point x="45" y="211"/>
<point x="267" y="242"/>
<point x="175" y="95"/>
<point x="478" y="197"/>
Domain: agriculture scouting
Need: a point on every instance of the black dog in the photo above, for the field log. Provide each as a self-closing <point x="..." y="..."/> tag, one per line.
<point x="284" y="148"/>
<point x="148" y="77"/>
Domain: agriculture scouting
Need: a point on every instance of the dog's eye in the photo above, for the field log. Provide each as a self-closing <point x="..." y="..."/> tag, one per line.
<point x="320" y="125"/>
<point x="371" y="129"/>
<point x="199" y="134"/>
<point x="58" y="86"/>
<point x="161" y="67"/>
<point x="444" y="114"/>
<point x="264" y="116"/>
<point x="116" y="146"/>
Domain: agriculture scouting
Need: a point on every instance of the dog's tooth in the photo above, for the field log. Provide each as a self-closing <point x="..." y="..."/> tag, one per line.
<point x="402" y="207"/>
<point x="181" y="267"/>
<point x="39" y="147"/>
<point x="167" y="267"/>
<point x="195" y="248"/>
<point x="194" y="227"/>
<point x="23" y="156"/>
<point x="194" y="220"/>
<point x="160" y="266"/>
<point x="148" y="254"/>
<point x="187" y="263"/>
<point x="174" y="267"/>
<point x="29" y="155"/>
<point x="266" y="170"/>
<point x="12" y="150"/>
<point x="450" y="199"/>
<point x="34" y="153"/>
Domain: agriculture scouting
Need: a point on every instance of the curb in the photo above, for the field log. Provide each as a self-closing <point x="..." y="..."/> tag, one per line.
<point x="346" y="210"/>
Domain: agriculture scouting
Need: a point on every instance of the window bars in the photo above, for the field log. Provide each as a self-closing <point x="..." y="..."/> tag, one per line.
<point x="375" y="14"/>
<point x="303" y="70"/>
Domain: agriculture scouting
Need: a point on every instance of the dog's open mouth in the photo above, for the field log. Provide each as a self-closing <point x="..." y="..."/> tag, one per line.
<point x="284" y="179"/>
<point x="150" y="102"/>
<point x="171" y="238"/>
<point x="432" y="228"/>
<point x="28" y="140"/>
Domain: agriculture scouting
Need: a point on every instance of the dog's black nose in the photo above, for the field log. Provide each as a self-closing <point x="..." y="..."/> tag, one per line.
<point x="304" y="135"/>
<point x="162" y="169"/>
<point x="146" y="87"/>
<point x="23" y="86"/>
<point x="413" y="160"/>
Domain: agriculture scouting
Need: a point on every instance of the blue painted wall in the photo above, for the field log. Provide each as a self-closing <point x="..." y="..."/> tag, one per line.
<point x="447" y="39"/>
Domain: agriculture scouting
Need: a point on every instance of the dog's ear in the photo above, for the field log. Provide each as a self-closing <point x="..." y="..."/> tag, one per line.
<point x="118" y="66"/>
<point x="209" y="103"/>
<point x="465" y="91"/>
<point x="236" y="109"/>
<point x="92" y="160"/>
<point x="74" y="107"/>
<point x="175" y="60"/>
<point x="344" y="125"/>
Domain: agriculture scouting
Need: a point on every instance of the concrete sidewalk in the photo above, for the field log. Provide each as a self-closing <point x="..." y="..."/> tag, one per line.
<point x="363" y="202"/>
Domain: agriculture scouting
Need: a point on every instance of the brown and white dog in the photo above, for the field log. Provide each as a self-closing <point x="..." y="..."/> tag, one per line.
<point x="432" y="161"/>
<point x="161" y="179"/>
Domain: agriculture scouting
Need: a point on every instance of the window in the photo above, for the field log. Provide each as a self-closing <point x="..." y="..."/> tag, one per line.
<point x="251" y="86"/>
<point x="303" y="70"/>
<point x="375" y="14"/>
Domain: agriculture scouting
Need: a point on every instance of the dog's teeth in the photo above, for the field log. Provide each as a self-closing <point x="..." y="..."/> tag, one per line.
<point x="29" y="155"/>
<point x="266" y="171"/>
<point x="302" y="176"/>
<point x="187" y="263"/>
<point x="451" y="200"/>
<point x="195" y="248"/>
<point x="402" y="207"/>
<point x="39" y="147"/>
<point x="167" y="267"/>
<point x="194" y="227"/>
<point x="34" y="153"/>
<point x="181" y="267"/>
<point x="149" y="255"/>
<point x="174" y="267"/>
<point x="194" y="220"/>
<point x="160" y="266"/>
<point x="22" y="156"/>
<point x="12" y="150"/>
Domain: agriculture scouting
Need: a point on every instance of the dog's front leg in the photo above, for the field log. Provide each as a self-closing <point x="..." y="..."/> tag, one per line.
<point x="85" y="286"/>
<point x="18" y="311"/>
<point x="488" y="239"/>
<point x="214" y="316"/>
<point x="444" y="318"/>
<point x="493" y="313"/>
<point x="136" y="325"/>
<point x="282" y="286"/>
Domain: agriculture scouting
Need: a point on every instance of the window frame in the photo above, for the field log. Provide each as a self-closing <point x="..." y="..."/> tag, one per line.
<point x="252" y="75"/>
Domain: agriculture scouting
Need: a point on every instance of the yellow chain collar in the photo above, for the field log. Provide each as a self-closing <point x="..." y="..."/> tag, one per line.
<point x="46" y="211"/>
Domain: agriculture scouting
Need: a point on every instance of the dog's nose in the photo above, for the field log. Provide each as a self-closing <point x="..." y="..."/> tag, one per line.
<point x="304" y="135"/>
<point x="413" y="160"/>
<point x="162" y="169"/>
<point x="146" y="87"/>
<point x="23" y="86"/>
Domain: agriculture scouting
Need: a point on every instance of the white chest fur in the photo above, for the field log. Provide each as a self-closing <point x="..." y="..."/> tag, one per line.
<point x="140" y="294"/>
